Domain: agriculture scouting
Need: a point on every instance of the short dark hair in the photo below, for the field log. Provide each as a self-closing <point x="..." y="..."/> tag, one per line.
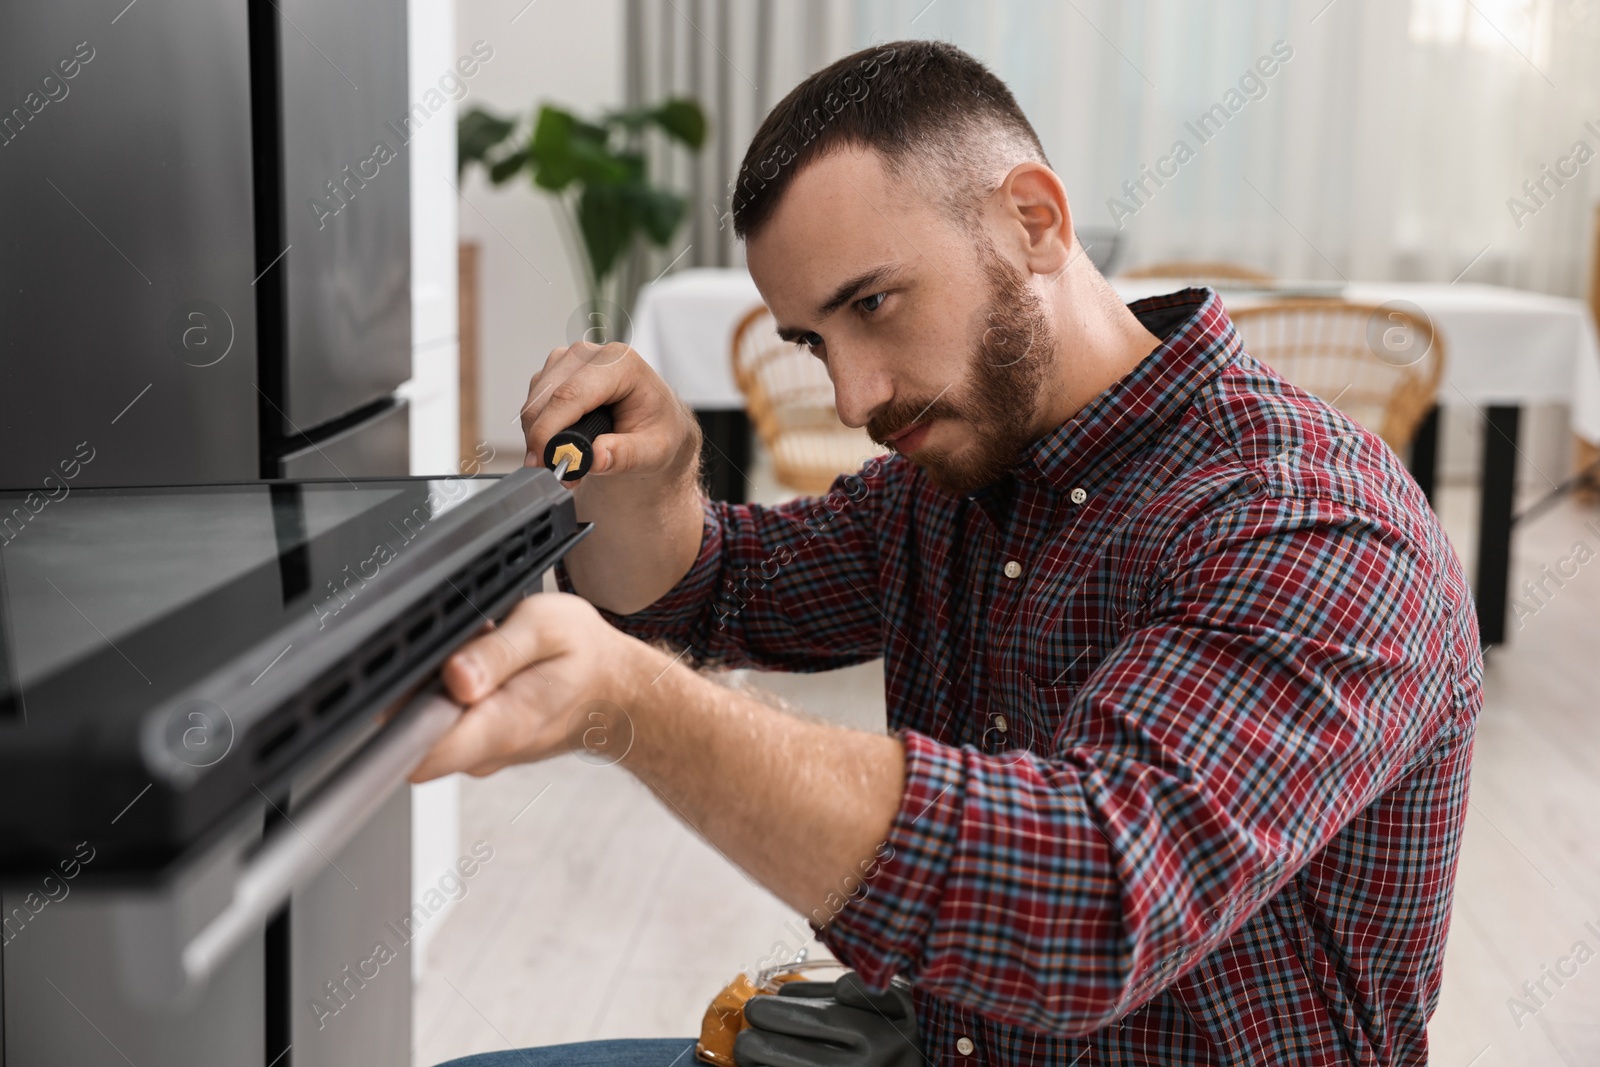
<point x="923" y="106"/>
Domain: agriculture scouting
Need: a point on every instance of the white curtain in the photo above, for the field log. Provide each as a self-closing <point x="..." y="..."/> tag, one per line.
<point x="737" y="58"/>
<point x="1388" y="141"/>
<point x="1392" y="139"/>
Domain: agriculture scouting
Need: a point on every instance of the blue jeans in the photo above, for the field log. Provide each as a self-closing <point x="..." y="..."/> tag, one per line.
<point x="625" y="1052"/>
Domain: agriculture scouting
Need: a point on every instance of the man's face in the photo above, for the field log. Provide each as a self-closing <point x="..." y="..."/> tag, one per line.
<point x="934" y="342"/>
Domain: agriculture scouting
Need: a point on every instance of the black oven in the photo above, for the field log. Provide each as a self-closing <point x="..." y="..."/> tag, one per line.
<point x="210" y="697"/>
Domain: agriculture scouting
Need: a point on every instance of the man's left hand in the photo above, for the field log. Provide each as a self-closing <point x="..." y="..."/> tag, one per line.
<point x="525" y="685"/>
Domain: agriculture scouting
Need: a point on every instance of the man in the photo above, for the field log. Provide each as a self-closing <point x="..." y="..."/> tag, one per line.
<point x="1182" y="674"/>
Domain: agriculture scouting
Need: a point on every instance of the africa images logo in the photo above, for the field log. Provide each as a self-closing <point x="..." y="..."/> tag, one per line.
<point x="451" y="83"/>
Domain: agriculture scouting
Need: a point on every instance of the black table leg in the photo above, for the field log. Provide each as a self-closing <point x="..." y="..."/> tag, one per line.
<point x="1425" y="453"/>
<point x="1495" y="519"/>
<point x="725" y="454"/>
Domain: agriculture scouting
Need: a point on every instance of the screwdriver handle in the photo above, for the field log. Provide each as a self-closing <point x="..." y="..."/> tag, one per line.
<point x="575" y="444"/>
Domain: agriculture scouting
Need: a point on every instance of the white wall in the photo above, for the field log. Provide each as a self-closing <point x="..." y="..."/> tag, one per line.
<point x="564" y="50"/>
<point x="567" y="52"/>
<point x="432" y="155"/>
<point x="435" y="832"/>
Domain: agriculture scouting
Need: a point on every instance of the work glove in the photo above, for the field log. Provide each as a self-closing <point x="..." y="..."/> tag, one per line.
<point x="829" y="1024"/>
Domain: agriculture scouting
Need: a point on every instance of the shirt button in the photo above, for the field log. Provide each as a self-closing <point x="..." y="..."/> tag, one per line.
<point x="1079" y="496"/>
<point x="964" y="1045"/>
<point x="1012" y="568"/>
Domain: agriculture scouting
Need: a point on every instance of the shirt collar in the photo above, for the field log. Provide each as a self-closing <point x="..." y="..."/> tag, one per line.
<point x="1197" y="341"/>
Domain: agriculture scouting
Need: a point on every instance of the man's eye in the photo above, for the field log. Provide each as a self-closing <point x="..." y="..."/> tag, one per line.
<point x="812" y="341"/>
<point x="871" y="303"/>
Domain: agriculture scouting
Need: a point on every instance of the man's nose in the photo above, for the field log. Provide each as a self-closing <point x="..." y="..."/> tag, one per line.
<point x="859" y="389"/>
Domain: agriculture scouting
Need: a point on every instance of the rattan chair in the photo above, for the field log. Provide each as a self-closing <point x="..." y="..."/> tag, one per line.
<point x="1201" y="273"/>
<point x="1380" y="365"/>
<point x="789" y="398"/>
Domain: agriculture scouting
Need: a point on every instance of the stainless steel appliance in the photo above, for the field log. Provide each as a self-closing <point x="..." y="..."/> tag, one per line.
<point x="206" y="273"/>
<point x="207" y="710"/>
<point x="204" y="278"/>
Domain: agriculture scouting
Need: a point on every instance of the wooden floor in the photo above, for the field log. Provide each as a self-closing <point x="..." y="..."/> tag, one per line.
<point x="1528" y="891"/>
<point x="601" y="915"/>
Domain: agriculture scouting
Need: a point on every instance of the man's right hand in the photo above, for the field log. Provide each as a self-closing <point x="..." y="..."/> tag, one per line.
<point x="654" y="435"/>
<point x="642" y="493"/>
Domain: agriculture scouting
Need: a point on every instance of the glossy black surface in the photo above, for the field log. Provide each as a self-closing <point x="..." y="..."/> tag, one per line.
<point x="176" y="575"/>
<point x="347" y="206"/>
<point x="168" y="655"/>
<point x="377" y="446"/>
<point x="126" y="251"/>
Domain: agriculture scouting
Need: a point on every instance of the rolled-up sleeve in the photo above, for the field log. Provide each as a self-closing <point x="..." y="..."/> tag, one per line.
<point x="1294" y="658"/>
<point x="792" y="587"/>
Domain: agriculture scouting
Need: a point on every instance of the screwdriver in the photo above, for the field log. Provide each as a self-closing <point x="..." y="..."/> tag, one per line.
<point x="570" y="453"/>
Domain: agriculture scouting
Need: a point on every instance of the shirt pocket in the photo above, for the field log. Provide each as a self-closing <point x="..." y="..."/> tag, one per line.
<point x="1037" y="721"/>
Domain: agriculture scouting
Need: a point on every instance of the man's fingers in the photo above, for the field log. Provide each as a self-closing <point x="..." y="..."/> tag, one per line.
<point x="558" y="367"/>
<point x="569" y="402"/>
<point x="522" y="682"/>
<point x="651" y="425"/>
<point x="559" y="370"/>
<point x="614" y="452"/>
<point x="485" y="663"/>
<point x="516" y="724"/>
<point x="571" y="393"/>
<point x="464" y="747"/>
<point x="658" y="444"/>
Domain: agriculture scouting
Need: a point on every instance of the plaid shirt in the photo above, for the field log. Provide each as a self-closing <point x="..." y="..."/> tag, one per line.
<point x="1187" y="700"/>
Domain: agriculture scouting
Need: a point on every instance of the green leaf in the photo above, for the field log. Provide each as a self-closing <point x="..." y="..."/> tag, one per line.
<point x="504" y="169"/>
<point x="552" y="147"/>
<point x="614" y="200"/>
<point x="607" y="223"/>
<point x="658" y="211"/>
<point x="598" y="165"/>
<point x="636" y="119"/>
<point x="477" y="134"/>
<point x="682" y="120"/>
<point x="568" y="149"/>
<point x="588" y="131"/>
<point x="633" y="167"/>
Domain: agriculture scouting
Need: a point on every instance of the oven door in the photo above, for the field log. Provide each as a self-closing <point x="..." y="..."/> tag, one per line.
<point x="294" y="931"/>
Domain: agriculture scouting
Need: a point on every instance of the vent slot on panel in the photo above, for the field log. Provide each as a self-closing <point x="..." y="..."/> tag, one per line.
<point x="420" y="628"/>
<point x="331" y="699"/>
<point x="516" y="549"/>
<point x="455" y="604"/>
<point x="400" y="647"/>
<point x="486" y="578"/>
<point x="377" y="663"/>
<point x="277" y="740"/>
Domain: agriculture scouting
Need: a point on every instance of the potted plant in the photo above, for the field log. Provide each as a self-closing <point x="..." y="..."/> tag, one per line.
<point x="597" y="169"/>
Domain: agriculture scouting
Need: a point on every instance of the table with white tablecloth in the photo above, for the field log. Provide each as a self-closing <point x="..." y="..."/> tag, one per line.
<point x="1506" y="348"/>
<point x="683" y="327"/>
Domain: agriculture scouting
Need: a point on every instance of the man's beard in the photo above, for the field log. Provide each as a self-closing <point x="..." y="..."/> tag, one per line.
<point x="1000" y="397"/>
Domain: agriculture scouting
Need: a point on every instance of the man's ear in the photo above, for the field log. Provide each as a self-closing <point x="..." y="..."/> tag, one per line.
<point x="1034" y="206"/>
